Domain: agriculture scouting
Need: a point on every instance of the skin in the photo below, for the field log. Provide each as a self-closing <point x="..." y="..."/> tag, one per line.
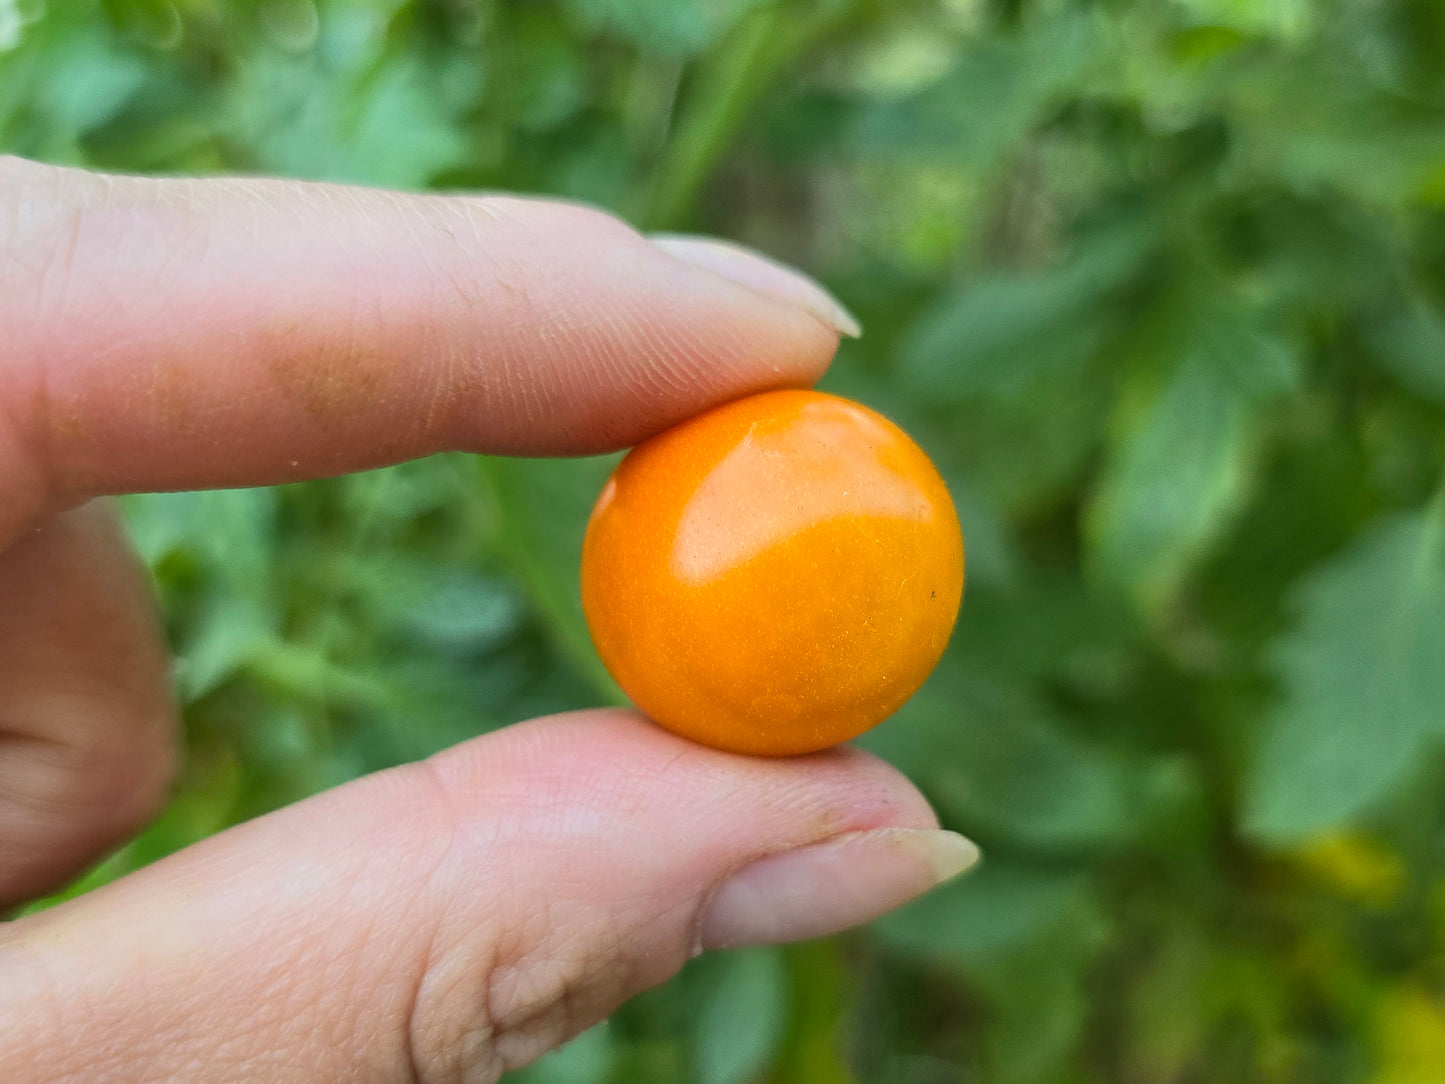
<point x="442" y="921"/>
<point x="774" y="576"/>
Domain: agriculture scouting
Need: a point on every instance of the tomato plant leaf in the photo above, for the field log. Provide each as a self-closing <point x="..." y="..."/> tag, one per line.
<point x="738" y="1021"/>
<point x="1362" y="680"/>
<point x="1184" y="465"/>
<point x="1410" y="344"/>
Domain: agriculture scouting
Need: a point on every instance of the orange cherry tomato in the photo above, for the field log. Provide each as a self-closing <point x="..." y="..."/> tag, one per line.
<point x="774" y="576"/>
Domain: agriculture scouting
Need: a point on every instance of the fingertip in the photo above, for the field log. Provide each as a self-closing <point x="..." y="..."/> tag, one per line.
<point x="762" y="274"/>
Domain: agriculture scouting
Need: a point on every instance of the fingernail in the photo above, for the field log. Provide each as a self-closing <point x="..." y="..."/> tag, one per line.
<point x="760" y="274"/>
<point x="827" y="887"/>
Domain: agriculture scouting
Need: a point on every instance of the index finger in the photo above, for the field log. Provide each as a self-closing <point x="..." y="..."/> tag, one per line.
<point x="170" y="334"/>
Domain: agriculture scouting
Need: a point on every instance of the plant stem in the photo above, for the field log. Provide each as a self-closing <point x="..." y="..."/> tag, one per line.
<point x="721" y="97"/>
<point x="562" y="624"/>
<point x="820" y="980"/>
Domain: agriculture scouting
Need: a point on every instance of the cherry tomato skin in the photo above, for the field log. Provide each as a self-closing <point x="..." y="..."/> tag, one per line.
<point x="774" y="576"/>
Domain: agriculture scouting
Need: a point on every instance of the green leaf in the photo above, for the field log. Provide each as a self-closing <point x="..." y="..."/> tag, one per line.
<point x="1185" y="464"/>
<point x="1312" y="131"/>
<point x="1018" y="355"/>
<point x="543" y="507"/>
<point x="1363" y="683"/>
<point x="668" y="27"/>
<point x="1410" y="344"/>
<point x="1025" y="938"/>
<point x="1281" y="18"/>
<point x="231" y="631"/>
<point x="1000" y="89"/>
<point x="58" y="88"/>
<point x="738" y="1021"/>
<point x="987" y="914"/>
<point x="991" y="556"/>
<point x="443" y="609"/>
<point x="347" y="110"/>
<point x="997" y="335"/>
<point x="995" y="758"/>
<point x="587" y="1059"/>
<point x="230" y="533"/>
<point x="1041" y="1001"/>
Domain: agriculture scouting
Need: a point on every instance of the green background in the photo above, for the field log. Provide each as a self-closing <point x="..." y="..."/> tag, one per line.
<point x="1160" y="285"/>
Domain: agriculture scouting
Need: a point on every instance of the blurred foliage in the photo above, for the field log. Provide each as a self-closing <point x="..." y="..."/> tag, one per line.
<point x="1160" y="284"/>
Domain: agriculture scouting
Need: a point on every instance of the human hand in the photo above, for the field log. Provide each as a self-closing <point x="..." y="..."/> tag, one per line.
<point x="443" y="921"/>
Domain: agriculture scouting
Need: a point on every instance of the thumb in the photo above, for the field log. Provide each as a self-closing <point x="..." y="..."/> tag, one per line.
<point x="452" y="920"/>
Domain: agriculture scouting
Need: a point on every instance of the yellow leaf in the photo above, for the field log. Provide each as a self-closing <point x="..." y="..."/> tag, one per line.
<point x="1354" y="867"/>
<point x="1409" y="1038"/>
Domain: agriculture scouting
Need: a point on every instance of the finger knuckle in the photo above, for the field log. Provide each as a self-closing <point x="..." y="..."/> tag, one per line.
<point x="43" y="212"/>
<point x="483" y="1010"/>
<point x="493" y="995"/>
